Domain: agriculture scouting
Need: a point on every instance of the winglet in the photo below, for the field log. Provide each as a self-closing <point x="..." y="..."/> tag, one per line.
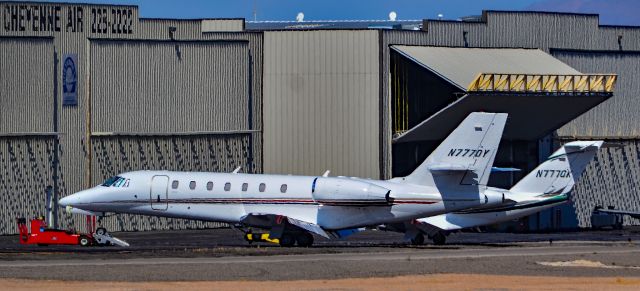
<point x="326" y="174"/>
<point x="236" y="170"/>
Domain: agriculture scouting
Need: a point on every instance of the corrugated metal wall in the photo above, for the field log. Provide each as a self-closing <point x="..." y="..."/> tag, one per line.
<point x="618" y="116"/>
<point x="211" y="25"/>
<point x="256" y="57"/>
<point x="26" y="170"/>
<point x="26" y="84"/>
<point x="321" y="102"/>
<point x="27" y="141"/>
<point x="73" y="148"/>
<point x="159" y="29"/>
<point x="612" y="179"/>
<point x="209" y="153"/>
<point x="191" y="90"/>
<point x="169" y="87"/>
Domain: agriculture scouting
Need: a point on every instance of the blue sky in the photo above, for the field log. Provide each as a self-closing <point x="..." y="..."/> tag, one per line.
<point x="613" y="12"/>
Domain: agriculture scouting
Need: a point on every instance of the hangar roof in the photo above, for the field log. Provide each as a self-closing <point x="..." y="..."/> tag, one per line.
<point x="460" y="66"/>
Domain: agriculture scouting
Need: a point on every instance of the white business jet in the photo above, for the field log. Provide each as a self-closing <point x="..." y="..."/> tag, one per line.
<point x="452" y="178"/>
<point x="546" y="186"/>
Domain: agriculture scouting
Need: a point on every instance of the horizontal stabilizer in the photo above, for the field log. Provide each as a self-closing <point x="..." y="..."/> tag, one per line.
<point x="497" y="169"/>
<point x="450" y="167"/>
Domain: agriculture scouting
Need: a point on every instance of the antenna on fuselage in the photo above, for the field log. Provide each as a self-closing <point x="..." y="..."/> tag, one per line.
<point x="236" y="170"/>
<point x="326" y="174"/>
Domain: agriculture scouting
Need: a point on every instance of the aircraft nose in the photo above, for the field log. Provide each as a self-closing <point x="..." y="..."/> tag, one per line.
<point x="73" y="199"/>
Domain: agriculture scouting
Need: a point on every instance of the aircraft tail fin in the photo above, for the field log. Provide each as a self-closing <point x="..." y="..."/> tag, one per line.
<point x="465" y="157"/>
<point x="559" y="173"/>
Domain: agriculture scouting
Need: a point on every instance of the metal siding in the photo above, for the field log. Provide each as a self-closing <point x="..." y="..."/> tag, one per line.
<point x="26" y="85"/>
<point x="72" y="119"/>
<point x="256" y="54"/>
<point x="159" y="29"/>
<point x="222" y="25"/>
<point x="26" y="171"/>
<point x="72" y="148"/>
<point x="169" y="87"/>
<point x="211" y="153"/>
<point x="321" y="103"/>
<point x="612" y="179"/>
<point x="618" y="116"/>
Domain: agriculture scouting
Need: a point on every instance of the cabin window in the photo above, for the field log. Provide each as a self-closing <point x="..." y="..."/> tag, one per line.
<point x="192" y="185"/>
<point x="209" y="186"/>
<point x="227" y="186"/>
<point x="283" y="188"/>
<point x="174" y="184"/>
<point x="245" y="186"/>
<point x="262" y="187"/>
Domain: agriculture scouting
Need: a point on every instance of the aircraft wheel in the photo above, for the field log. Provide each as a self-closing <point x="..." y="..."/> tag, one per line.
<point x="84" y="241"/>
<point x="101" y="231"/>
<point x="304" y="239"/>
<point x="287" y="240"/>
<point x="439" y="239"/>
<point x="418" y="239"/>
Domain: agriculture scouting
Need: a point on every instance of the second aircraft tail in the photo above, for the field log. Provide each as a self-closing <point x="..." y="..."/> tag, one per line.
<point x="559" y="173"/>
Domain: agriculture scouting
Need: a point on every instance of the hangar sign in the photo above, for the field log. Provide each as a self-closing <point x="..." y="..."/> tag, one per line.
<point x="42" y="17"/>
<point x="70" y="79"/>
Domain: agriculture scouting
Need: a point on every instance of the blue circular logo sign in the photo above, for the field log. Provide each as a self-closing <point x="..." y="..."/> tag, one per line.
<point x="69" y="76"/>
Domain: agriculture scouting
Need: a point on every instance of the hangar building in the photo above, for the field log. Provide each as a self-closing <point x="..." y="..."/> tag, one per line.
<point x="89" y="91"/>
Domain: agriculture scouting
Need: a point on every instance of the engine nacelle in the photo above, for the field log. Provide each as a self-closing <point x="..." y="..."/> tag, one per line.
<point x="492" y="198"/>
<point x="348" y="192"/>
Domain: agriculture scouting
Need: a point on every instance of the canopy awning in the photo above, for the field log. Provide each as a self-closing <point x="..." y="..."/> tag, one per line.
<point x="539" y="92"/>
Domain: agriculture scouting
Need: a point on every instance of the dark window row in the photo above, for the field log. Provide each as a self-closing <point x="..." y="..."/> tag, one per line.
<point x="227" y="186"/>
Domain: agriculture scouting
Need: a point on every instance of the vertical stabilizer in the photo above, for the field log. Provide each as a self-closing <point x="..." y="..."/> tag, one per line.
<point x="560" y="171"/>
<point x="465" y="157"/>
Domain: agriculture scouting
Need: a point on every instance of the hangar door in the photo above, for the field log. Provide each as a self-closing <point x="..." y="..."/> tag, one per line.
<point x="169" y="105"/>
<point x="28" y="142"/>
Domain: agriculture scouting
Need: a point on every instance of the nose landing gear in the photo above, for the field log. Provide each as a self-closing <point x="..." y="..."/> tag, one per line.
<point x="103" y="237"/>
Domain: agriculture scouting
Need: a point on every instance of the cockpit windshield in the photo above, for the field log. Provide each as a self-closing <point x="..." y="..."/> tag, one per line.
<point x="111" y="181"/>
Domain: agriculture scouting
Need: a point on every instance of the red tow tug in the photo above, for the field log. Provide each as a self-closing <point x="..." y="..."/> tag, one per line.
<point x="42" y="235"/>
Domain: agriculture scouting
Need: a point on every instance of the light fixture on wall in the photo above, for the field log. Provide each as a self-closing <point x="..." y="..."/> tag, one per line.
<point x="172" y="30"/>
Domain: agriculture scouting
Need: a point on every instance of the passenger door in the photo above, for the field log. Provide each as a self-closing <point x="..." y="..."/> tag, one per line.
<point x="159" y="192"/>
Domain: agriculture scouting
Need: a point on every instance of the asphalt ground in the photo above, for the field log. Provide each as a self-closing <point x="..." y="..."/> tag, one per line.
<point x="222" y="254"/>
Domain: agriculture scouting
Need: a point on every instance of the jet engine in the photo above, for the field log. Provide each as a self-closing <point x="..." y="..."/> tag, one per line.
<point x="493" y="198"/>
<point x="349" y="192"/>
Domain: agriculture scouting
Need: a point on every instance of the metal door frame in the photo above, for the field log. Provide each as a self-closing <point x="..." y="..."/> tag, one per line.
<point x="159" y="205"/>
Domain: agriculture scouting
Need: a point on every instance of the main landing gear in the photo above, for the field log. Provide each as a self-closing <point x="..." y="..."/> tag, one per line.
<point x="439" y="238"/>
